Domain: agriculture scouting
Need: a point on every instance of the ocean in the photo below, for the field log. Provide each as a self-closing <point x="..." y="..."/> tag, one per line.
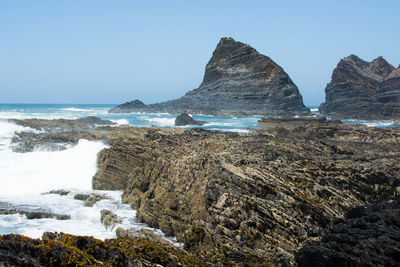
<point x="27" y="178"/>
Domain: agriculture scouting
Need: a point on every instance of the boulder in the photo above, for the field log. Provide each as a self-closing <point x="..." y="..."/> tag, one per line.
<point x="185" y="119"/>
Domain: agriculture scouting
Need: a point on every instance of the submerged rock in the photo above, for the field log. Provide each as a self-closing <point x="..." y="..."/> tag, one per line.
<point x="30" y="215"/>
<point x="363" y="90"/>
<point x="185" y="119"/>
<point x="108" y="218"/>
<point x="237" y="81"/>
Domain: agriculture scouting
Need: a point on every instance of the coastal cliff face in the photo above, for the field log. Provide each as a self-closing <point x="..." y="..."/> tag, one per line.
<point x="253" y="198"/>
<point x="363" y="90"/>
<point x="237" y="81"/>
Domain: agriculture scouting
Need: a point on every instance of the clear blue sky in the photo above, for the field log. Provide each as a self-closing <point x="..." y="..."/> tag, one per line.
<point x="97" y="51"/>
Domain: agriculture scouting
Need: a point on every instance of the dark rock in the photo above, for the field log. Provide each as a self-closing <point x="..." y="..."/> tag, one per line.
<point x="36" y="214"/>
<point x="363" y="90"/>
<point x="60" y="192"/>
<point x="128" y="107"/>
<point x="92" y="120"/>
<point x="67" y="250"/>
<point x="63" y="124"/>
<point x="90" y="199"/>
<point x="185" y="119"/>
<point x="368" y="236"/>
<point x="237" y="81"/>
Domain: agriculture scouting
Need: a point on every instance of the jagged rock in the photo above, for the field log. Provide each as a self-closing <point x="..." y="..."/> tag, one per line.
<point x="363" y="90"/>
<point x="185" y="119"/>
<point x="109" y="219"/>
<point x="62" y="124"/>
<point x="367" y="236"/>
<point x="250" y="197"/>
<point x="53" y="141"/>
<point x="90" y="199"/>
<point x="237" y="81"/>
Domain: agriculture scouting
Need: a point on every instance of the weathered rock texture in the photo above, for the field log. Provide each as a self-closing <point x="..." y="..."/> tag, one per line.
<point x="67" y="250"/>
<point x="237" y="81"/>
<point x="250" y="198"/>
<point x="367" y="236"/>
<point x="363" y="90"/>
<point x="257" y="197"/>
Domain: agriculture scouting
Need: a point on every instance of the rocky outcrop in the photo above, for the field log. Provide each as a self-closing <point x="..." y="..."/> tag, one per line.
<point x="248" y="198"/>
<point x="253" y="198"/>
<point x="63" y="124"/>
<point x="68" y="250"/>
<point x="237" y="81"/>
<point x="363" y="90"/>
<point x="185" y="119"/>
<point x="366" y="236"/>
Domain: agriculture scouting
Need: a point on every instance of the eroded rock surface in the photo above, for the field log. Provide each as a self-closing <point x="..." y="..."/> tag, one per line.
<point x="237" y="81"/>
<point x="257" y="197"/>
<point x="363" y="90"/>
<point x="366" y="236"/>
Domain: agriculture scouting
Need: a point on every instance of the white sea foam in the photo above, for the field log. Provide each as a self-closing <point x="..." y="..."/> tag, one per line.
<point x="121" y="121"/>
<point x="161" y="122"/>
<point x="75" y="109"/>
<point x="37" y="172"/>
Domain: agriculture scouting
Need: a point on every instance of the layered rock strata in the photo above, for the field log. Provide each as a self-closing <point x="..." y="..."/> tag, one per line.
<point x="363" y="90"/>
<point x="257" y="197"/>
<point x="248" y="198"/>
<point x="237" y="81"/>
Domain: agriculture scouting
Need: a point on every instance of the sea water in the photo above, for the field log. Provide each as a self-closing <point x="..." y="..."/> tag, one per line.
<point x="26" y="178"/>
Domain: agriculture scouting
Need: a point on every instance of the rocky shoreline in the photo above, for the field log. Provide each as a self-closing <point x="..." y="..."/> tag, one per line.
<point x="268" y="197"/>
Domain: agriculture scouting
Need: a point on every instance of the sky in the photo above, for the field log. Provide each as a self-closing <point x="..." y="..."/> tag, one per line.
<point x="109" y="52"/>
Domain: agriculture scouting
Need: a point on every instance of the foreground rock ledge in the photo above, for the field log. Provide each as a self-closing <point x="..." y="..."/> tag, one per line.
<point x="262" y="195"/>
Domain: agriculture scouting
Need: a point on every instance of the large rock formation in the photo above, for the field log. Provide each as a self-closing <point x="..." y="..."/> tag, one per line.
<point x="257" y="197"/>
<point x="363" y="90"/>
<point x="237" y="81"/>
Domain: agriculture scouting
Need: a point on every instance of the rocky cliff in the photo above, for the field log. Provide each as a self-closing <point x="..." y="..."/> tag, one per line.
<point x="363" y="90"/>
<point x="237" y="81"/>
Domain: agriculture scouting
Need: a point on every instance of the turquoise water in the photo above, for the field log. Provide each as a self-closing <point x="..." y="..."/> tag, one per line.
<point x="163" y="120"/>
